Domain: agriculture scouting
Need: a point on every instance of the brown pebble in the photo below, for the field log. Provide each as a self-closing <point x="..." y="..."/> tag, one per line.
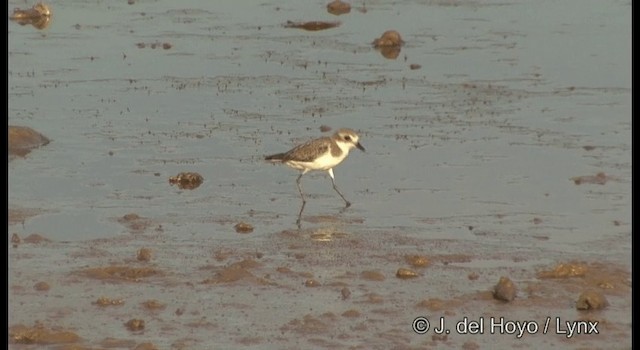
<point x="311" y="283"/>
<point x="167" y="46"/>
<point x="186" y="180"/>
<point x="414" y="66"/>
<point x="417" y="260"/>
<point x="243" y="227"/>
<point x="104" y="301"/>
<point x="389" y="38"/>
<point x="135" y="324"/>
<point x="389" y="52"/>
<point x="338" y="7"/>
<point x="41" y="286"/>
<point x="505" y="290"/>
<point x="591" y="300"/>
<point x="406" y="273"/>
<point x="325" y="128"/>
<point x="38" y="10"/>
<point x="144" y="254"/>
<point x="473" y="276"/>
<point x="346" y="293"/>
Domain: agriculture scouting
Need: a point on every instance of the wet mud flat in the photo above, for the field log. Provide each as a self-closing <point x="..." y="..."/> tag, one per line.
<point x="493" y="202"/>
<point x="332" y="286"/>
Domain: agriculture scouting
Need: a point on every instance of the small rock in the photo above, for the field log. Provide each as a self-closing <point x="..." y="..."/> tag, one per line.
<point x="243" y="227"/>
<point x="38" y="16"/>
<point x="104" y="302"/>
<point x="144" y="254"/>
<point x="406" y="273"/>
<point x="389" y="38"/>
<point x="338" y="7"/>
<point x="311" y="283"/>
<point x="41" y="286"/>
<point x="505" y="290"/>
<point x="591" y="300"/>
<point x="135" y="324"/>
<point x="417" y="260"/>
<point x="187" y="180"/>
<point x="346" y="293"/>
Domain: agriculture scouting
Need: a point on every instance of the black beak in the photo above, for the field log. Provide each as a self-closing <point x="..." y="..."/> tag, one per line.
<point x="360" y="146"/>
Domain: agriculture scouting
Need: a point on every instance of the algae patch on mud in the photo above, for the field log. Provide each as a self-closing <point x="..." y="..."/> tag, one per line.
<point x="39" y="334"/>
<point x="120" y="273"/>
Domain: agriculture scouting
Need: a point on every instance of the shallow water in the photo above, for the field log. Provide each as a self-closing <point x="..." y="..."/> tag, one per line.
<point x="472" y="154"/>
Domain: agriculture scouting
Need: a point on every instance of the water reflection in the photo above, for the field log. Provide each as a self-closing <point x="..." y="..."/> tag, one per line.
<point x="327" y="234"/>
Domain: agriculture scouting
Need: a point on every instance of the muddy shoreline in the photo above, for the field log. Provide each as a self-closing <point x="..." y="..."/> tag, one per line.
<point x="493" y="199"/>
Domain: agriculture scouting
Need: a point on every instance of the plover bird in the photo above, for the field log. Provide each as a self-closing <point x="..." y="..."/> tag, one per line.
<point x="323" y="153"/>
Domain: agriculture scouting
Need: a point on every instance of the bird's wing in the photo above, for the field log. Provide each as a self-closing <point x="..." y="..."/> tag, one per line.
<point x="307" y="152"/>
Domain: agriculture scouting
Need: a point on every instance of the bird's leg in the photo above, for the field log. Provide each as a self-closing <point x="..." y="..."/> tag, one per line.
<point x="348" y="204"/>
<point x="303" y="200"/>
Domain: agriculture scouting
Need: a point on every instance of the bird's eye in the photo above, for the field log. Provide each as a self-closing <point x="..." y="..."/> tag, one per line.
<point x="347" y="138"/>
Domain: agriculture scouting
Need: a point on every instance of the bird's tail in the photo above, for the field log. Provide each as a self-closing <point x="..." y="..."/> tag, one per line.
<point x="275" y="158"/>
